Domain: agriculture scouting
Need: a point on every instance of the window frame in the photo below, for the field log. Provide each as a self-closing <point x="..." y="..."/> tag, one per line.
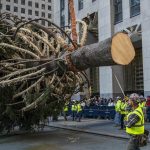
<point x="49" y="8"/>
<point x="23" y="2"/>
<point x="1" y="6"/>
<point x="16" y="1"/>
<point x="30" y="2"/>
<point x="62" y="21"/>
<point x="134" y="6"/>
<point x="49" y="16"/>
<point x="43" y="6"/>
<point x="43" y="22"/>
<point x="8" y="7"/>
<point x="62" y="4"/>
<point x="36" y="5"/>
<point x="80" y="4"/>
<point x="29" y="10"/>
<point x="116" y="14"/>
<point x="37" y="13"/>
<point x="23" y="12"/>
<point x="43" y="14"/>
<point x="15" y="8"/>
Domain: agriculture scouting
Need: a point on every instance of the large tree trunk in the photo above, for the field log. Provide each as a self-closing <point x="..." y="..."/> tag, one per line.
<point x="112" y="51"/>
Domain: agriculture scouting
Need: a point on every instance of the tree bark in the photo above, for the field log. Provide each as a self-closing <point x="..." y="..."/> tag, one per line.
<point x="112" y="51"/>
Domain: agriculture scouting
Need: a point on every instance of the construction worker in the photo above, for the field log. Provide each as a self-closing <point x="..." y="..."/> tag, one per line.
<point x="142" y="104"/>
<point x="79" y="111"/>
<point x="65" y="111"/>
<point x="128" y="108"/>
<point x="142" y="101"/>
<point x="74" y="110"/>
<point x="135" y="122"/>
<point x="117" y="109"/>
<point x="123" y="106"/>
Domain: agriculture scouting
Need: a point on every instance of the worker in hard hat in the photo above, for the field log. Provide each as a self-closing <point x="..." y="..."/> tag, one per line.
<point x="65" y="111"/>
<point x="117" y="109"/>
<point x="74" y="110"/>
<point x="135" y="123"/>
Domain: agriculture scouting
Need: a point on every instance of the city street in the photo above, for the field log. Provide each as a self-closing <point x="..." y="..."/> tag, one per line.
<point x="74" y="74"/>
<point x="60" y="139"/>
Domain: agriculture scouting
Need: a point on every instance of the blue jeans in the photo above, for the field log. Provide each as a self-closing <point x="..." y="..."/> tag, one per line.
<point x="79" y="114"/>
<point x="117" y="119"/>
<point x="74" y="113"/>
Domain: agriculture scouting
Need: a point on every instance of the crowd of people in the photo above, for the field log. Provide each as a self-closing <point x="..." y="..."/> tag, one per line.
<point x="130" y="115"/>
<point x="98" y="101"/>
<point x="119" y="104"/>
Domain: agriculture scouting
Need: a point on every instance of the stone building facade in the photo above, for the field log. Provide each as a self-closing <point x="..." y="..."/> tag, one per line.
<point x="115" y="16"/>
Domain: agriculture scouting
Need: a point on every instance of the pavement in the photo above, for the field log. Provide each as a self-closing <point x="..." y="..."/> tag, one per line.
<point x="93" y="126"/>
<point x="102" y="133"/>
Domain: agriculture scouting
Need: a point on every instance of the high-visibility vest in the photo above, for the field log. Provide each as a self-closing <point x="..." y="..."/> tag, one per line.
<point x="79" y="108"/>
<point x="138" y="128"/>
<point x="73" y="108"/>
<point x="123" y="107"/>
<point x="142" y="105"/>
<point x="117" y="106"/>
<point x="66" y="108"/>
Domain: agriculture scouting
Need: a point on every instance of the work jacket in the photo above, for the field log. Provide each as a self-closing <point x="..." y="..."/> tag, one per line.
<point x="138" y="128"/>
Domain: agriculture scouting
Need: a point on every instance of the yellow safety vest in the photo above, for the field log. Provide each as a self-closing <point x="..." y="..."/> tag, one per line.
<point x="117" y="106"/>
<point x="65" y="108"/>
<point x="142" y="105"/>
<point x="79" y="108"/>
<point x="138" y="128"/>
<point x="122" y="108"/>
<point x="74" y="107"/>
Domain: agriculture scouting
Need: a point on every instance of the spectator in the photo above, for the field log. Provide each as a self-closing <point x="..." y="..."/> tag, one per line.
<point x="111" y="103"/>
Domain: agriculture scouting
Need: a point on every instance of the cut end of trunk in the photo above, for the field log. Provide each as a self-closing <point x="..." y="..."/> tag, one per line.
<point x="122" y="49"/>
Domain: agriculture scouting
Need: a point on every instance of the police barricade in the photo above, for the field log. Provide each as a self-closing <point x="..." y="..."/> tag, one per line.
<point x="107" y="112"/>
<point x="91" y="112"/>
<point x="99" y="111"/>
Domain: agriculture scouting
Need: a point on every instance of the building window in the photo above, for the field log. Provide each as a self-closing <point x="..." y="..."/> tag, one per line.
<point x="118" y="11"/>
<point x="22" y="10"/>
<point x="49" y="1"/>
<point x="43" y="22"/>
<point x="7" y="0"/>
<point x="49" y="8"/>
<point x="49" y="24"/>
<point x="16" y="1"/>
<point x="8" y="7"/>
<point x="22" y="2"/>
<point x="36" y="5"/>
<point x="15" y="9"/>
<point x="29" y="12"/>
<point x="43" y="6"/>
<point x="80" y="4"/>
<point x="93" y="0"/>
<point x="22" y="18"/>
<point x="62" y="21"/>
<point x="1" y="6"/>
<point x="43" y="14"/>
<point x="62" y="4"/>
<point x="36" y="13"/>
<point x="29" y="3"/>
<point x="49" y="16"/>
<point x="134" y="7"/>
<point x="69" y="20"/>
